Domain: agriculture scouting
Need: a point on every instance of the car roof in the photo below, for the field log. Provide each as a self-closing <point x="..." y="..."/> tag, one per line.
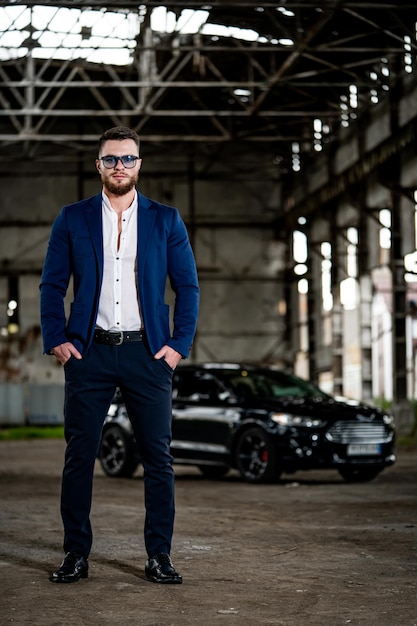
<point x="229" y="366"/>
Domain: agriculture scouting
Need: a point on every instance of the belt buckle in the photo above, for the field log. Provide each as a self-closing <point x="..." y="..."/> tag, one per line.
<point x="120" y="340"/>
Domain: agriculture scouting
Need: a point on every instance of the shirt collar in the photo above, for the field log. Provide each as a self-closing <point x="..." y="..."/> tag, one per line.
<point x="108" y="207"/>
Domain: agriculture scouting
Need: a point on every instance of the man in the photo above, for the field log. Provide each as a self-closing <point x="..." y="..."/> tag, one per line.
<point x="119" y="247"/>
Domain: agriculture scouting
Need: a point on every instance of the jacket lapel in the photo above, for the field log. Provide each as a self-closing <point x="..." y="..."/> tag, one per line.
<point x="146" y="221"/>
<point x="94" y="219"/>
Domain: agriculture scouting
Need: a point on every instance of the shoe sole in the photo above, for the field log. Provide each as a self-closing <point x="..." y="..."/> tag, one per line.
<point x="164" y="581"/>
<point x="67" y="580"/>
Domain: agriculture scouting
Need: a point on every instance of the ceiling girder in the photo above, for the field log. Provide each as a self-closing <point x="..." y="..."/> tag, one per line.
<point x="200" y="89"/>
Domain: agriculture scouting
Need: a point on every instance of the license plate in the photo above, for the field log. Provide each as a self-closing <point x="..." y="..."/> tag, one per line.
<point x="363" y="449"/>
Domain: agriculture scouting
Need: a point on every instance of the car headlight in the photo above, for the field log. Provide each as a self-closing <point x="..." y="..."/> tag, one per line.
<point x="285" y="419"/>
<point x="388" y="419"/>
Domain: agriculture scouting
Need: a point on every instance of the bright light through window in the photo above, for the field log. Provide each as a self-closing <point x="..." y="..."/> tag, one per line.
<point x="303" y="286"/>
<point x="190" y="21"/>
<point x="349" y="293"/>
<point x="415" y="218"/>
<point x="296" y="161"/>
<point x="300" y="269"/>
<point x="318" y="134"/>
<point x="408" y="58"/>
<point x="410" y="260"/>
<point x="64" y="33"/>
<point x="352" y="252"/>
<point x="299" y="247"/>
<point x="385" y="230"/>
<point x="101" y="36"/>
<point x="353" y="96"/>
<point x="326" y="279"/>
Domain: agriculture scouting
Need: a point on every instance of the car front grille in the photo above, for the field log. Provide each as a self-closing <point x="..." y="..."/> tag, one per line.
<point x="358" y="432"/>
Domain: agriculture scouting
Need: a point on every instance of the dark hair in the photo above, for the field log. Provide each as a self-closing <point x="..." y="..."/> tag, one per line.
<point x="118" y="133"/>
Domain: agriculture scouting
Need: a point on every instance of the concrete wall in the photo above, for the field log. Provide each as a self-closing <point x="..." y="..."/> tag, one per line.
<point x="31" y="404"/>
<point x="229" y="211"/>
<point x="230" y="198"/>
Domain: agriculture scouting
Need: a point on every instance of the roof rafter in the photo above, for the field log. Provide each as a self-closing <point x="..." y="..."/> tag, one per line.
<point x="204" y="88"/>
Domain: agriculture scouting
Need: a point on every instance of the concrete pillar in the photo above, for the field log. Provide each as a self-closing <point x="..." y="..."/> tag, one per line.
<point x="399" y="309"/>
<point x="312" y="311"/>
<point x="337" y="315"/>
<point x="365" y="319"/>
<point x="337" y="344"/>
<point x="365" y="304"/>
<point x="392" y="173"/>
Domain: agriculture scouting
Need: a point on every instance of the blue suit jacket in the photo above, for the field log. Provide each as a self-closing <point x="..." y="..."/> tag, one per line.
<point x="76" y="249"/>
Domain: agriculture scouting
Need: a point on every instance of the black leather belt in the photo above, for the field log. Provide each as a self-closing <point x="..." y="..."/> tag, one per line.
<point x="116" y="338"/>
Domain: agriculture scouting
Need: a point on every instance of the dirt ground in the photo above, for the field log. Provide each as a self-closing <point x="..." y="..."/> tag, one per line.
<point x="311" y="550"/>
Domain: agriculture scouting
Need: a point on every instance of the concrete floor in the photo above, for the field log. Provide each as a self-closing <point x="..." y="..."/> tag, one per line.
<point x="311" y="550"/>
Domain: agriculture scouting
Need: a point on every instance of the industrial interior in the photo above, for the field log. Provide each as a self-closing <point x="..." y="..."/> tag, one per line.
<point x="286" y="135"/>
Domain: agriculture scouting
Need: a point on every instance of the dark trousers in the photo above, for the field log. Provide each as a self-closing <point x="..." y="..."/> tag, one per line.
<point x="146" y="387"/>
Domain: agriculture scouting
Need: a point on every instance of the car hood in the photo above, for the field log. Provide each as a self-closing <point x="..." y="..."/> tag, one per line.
<point x="326" y="408"/>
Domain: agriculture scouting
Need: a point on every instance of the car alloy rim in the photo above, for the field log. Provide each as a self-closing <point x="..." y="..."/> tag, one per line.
<point x="253" y="456"/>
<point x="113" y="452"/>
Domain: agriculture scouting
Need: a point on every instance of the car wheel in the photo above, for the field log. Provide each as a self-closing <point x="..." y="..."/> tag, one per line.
<point x="256" y="457"/>
<point x="118" y="455"/>
<point x="358" y="475"/>
<point x="213" y="471"/>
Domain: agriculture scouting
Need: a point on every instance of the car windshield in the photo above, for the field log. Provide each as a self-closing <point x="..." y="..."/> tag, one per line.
<point x="268" y="384"/>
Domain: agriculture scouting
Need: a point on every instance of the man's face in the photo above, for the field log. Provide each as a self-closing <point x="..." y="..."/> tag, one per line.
<point x="119" y="180"/>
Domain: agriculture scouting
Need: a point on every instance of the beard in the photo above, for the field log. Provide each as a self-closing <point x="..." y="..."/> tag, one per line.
<point x="121" y="189"/>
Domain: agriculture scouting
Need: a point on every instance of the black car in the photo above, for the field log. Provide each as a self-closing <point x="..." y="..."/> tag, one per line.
<point x="260" y="421"/>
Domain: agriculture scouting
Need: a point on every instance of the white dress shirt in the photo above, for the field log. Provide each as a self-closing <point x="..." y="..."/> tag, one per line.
<point x="119" y="301"/>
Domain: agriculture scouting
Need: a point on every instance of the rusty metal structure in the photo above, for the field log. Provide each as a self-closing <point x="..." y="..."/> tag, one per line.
<point x="271" y="71"/>
<point x="316" y="98"/>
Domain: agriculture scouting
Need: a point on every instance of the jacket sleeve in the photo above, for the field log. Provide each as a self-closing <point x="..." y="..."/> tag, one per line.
<point x="183" y="278"/>
<point x="54" y="284"/>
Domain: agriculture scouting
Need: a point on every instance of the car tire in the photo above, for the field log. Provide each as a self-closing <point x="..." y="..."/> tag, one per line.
<point x="118" y="455"/>
<point x="358" y="475"/>
<point x="213" y="471"/>
<point x="256" y="457"/>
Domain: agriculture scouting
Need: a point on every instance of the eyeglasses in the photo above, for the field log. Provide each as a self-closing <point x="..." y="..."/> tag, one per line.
<point x="127" y="160"/>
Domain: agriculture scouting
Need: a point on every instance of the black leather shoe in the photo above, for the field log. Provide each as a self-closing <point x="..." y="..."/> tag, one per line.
<point x="72" y="568"/>
<point x="159" y="569"/>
